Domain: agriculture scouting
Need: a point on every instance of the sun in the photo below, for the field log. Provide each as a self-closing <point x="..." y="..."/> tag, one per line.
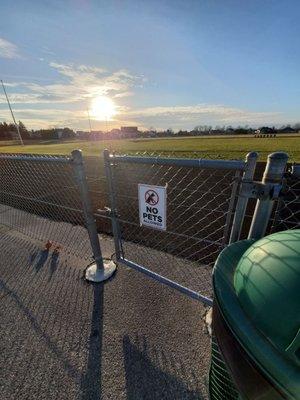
<point x="103" y="108"/>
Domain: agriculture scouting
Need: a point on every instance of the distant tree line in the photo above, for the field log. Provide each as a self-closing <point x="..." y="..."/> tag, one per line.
<point x="207" y="130"/>
<point x="9" y="131"/>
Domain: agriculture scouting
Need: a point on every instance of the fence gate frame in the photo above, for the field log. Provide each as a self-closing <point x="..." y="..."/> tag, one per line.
<point x="110" y="161"/>
<point x="243" y="189"/>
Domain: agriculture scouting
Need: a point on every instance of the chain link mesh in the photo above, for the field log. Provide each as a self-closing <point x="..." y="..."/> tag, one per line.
<point x="39" y="198"/>
<point x="98" y="191"/>
<point x="221" y="385"/>
<point x="287" y="213"/>
<point x="200" y="207"/>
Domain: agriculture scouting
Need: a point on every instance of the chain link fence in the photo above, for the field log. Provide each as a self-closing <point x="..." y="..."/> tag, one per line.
<point x="287" y="211"/>
<point x="200" y="207"/>
<point x="98" y="191"/>
<point x="40" y="199"/>
<point x="40" y="202"/>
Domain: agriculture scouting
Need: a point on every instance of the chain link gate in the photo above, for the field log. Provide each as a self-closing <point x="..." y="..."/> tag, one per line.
<point x="201" y="215"/>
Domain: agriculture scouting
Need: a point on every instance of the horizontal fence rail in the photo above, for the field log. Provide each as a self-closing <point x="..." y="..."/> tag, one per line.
<point x="35" y="158"/>
<point x="182" y="162"/>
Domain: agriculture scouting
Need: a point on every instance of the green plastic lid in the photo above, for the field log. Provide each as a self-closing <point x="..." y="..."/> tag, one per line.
<point x="267" y="284"/>
<point x="257" y="288"/>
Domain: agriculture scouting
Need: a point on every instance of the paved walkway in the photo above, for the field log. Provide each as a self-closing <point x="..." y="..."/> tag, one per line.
<point x="62" y="338"/>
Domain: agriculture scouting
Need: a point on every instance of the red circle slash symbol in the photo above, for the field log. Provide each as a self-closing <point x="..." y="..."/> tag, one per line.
<point x="151" y="197"/>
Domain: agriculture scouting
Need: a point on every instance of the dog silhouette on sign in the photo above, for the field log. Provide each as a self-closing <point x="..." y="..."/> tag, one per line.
<point x="151" y="198"/>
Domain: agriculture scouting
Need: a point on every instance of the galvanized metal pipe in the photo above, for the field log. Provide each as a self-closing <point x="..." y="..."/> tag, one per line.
<point x="91" y="226"/>
<point x="230" y="211"/>
<point x="273" y="174"/>
<point x="111" y="190"/>
<point x="242" y="202"/>
<point x="39" y="159"/>
<point x="183" y="162"/>
<point x="168" y="282"/>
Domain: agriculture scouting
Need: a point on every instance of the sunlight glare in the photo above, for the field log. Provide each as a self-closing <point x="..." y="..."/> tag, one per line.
<point x="103" y="108"/>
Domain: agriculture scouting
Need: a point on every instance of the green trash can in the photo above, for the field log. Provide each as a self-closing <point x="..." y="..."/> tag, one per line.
<point x="256" y="319"/>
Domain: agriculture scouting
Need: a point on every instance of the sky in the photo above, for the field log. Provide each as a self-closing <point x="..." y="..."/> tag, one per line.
<point x="151" y="63"/>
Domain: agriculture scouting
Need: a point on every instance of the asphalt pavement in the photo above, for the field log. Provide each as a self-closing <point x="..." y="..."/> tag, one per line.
<point x="63" y="338"/>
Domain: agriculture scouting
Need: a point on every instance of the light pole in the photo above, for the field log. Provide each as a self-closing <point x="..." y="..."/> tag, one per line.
<point x="88" y="112"/>
<point x="12" y="114"/>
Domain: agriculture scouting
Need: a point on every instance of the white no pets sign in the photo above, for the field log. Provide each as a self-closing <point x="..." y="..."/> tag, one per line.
<point x="152" y="206"/>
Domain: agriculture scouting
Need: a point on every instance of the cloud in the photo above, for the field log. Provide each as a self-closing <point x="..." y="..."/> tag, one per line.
<point x="124" y="94"/>
<point x="176" y="117"/>
<point x="75" y="84"/>
<point x="45" y="118"/>
<point x="8" y="49"/>
<point x="189" y="116"/>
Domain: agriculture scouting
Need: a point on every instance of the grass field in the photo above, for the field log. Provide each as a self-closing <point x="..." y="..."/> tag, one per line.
<point x="208" y="147"/>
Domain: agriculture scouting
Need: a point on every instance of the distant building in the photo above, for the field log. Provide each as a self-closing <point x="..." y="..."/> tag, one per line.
<point x="97" y="135"/>
<point x="287" y="129"/>
<point x="59" y="133"/>
<point x="114" y="134"/>
<point x="129" y="131"/>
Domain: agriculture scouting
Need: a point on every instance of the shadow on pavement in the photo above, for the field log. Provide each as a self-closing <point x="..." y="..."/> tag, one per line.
<point x="41" y="259"/>
<point x="91" y="380"/>
<point x="53" y="264"/>
<point x="39" y="330"/>
<point x="153" y="375"/>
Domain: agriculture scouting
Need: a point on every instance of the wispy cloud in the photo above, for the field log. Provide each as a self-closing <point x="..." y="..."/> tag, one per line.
<point x="45" y="118"/>
<point x="180" y="116"/>
<point x="75" y="84"/>
<point x="177" y="117"/>
<point x="8" y="49"/>
<point x="40" y="105"/>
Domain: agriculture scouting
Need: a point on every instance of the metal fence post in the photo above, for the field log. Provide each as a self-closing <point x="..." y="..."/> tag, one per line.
<point x="114" y="221"/>
<point x="100" y="270"/>
<point x="273" y="175"/>
<point x="296" y="170"/>
<point x="251" y="159"/>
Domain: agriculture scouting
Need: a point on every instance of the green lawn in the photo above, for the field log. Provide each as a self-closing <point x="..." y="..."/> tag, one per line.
<point x="208" y="147"/>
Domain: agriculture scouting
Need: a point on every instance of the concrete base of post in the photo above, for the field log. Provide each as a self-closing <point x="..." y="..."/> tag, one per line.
<point x="94" y="274"/>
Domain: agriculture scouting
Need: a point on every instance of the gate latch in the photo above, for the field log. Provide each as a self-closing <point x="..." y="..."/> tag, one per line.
<point x="108" y="212"/>
<point x="105" y="211"/>
<point x="260" y="190"/>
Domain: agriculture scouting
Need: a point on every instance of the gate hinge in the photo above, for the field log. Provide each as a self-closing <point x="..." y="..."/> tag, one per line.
<point x="259" y="190"/>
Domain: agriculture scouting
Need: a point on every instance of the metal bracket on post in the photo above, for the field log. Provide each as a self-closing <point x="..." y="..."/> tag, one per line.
<point x="242" y="202"/>
<point x="260" y="190"/>
<point x="101" y="269"/>
<point x="273" y="178"/>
